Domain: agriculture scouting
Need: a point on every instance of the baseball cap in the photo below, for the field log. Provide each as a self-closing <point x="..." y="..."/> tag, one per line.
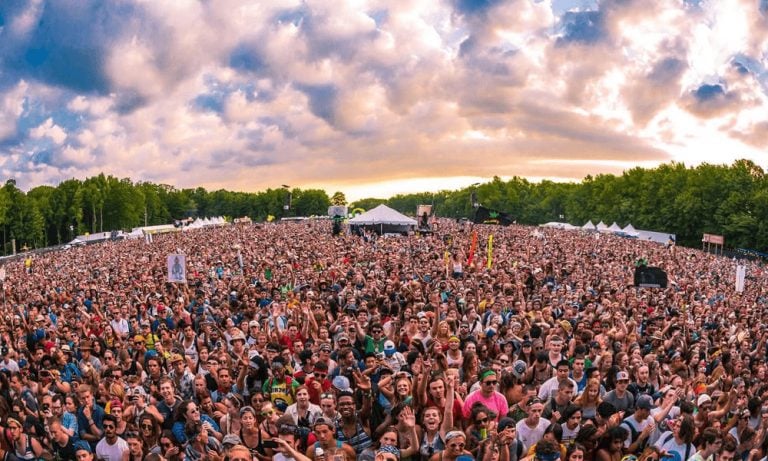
<point x="389" y="348"/>
<point x="341" y="383"/>
<point x="506" y="422"/>
<point x="519" y="368"/>
<point x="622" y="376"/>
<point x="644" y="402"/>
<point x="253" y="323"/>
<point x="231" y="439"/>
<point x="703" y="398"/>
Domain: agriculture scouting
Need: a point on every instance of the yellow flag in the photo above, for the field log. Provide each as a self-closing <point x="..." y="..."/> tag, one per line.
<point x="490" y="250"/>
<point x="270" y="218"/>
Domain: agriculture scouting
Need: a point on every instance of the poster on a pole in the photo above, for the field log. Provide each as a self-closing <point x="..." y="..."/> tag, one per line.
<point x="741" y="273"/>
<point x="177" y="268"/>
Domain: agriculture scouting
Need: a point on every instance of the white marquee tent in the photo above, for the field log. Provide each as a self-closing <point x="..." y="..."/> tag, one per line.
<point x="384" y="219"/>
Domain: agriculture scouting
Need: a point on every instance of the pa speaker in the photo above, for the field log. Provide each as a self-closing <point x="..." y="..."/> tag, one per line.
<point x="650" y="277"/>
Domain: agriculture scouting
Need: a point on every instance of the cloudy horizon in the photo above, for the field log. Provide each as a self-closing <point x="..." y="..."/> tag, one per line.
<point x="376" y="97"/>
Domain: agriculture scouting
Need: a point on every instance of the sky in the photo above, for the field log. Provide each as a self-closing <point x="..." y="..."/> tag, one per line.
<point x="376" y="97"/>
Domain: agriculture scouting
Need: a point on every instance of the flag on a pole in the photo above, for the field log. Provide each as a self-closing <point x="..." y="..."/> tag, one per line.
<point x="490" y="251"/>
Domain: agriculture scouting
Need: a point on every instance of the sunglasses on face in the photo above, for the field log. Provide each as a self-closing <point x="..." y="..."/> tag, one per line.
<point x="459" y="446"/>
<point x="482" y="421"/>
<point x="490" y="383"/>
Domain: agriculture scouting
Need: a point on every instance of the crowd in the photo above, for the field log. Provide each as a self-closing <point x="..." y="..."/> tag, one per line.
<point x="289" y="343"/>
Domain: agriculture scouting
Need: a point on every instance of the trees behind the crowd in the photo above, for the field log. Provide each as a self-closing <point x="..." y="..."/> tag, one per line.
<point x="730" y="200"/>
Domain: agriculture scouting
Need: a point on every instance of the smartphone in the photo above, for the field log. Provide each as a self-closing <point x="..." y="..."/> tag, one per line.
<point x="271" y="444"/>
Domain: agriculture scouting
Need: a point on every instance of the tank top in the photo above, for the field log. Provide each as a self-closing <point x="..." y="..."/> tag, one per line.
<point x="191" y="351"/>
<point x="359" y="441"/>
<point x="427" y="449"/>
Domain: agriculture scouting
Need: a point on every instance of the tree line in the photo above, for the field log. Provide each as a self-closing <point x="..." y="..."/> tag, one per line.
<point x="730" y="200"/>
<point x="47" y="215"/>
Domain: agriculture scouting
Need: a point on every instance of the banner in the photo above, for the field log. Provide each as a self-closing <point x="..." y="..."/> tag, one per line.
<point x="741" y="273"/>
<point x="472" y="248"/>
<point x="485" y="215"/>
<point x="490" y="251"/>
<point x="177" y="268"/>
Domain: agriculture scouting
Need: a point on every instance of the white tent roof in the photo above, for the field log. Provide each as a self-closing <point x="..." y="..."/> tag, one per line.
<point x="614" y="227"/>
<point x="382" y="214"/>
<point x="601" y="226"/>
<point x="588" y="225"/>
<point x="630" y="230"/>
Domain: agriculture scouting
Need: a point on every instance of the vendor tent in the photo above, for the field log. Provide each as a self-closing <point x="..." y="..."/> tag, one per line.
<point x="630" y="230"/>
<point x="384" y="219"/>
<point x="588" y="226"/>
<point x="614" y="227"/>
<point x="601" y="227"/>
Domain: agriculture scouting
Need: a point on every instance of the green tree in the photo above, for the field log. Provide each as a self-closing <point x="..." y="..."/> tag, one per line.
<point x="338" y="199"/>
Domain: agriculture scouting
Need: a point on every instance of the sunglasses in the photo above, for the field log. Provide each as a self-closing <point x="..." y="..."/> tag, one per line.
<point x="490" y="383"/>
<point x="147" y="426"/>
<point x="459" y="446"/>
<point x="320" y="376"/>
<point x="481" y="421"/>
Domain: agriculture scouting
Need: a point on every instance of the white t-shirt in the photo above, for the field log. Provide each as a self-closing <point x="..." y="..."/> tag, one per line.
<point x="632" y="422"/>
<point x="107" y="452"/>
<point x="675" y="451"/>
<point x="531" y="436"/>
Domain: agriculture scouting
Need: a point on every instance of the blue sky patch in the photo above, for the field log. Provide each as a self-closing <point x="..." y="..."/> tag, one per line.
<point x="322" y="100"/>
<point x="475" y="6"/>
<point x="245" y="58"/>
<point x="585" y="27"/>
<point x="666" y="70"/>
<point x="708" y="92"/>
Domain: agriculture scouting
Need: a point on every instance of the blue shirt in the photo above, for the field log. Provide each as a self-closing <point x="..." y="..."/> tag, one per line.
<point x="97" y="415"/>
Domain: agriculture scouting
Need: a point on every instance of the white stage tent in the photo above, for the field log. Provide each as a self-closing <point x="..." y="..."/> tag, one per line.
<point x="384" y="219"/>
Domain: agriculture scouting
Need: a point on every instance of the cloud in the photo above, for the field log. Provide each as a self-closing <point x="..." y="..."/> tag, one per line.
<point x="51" y="131"/>
<point x="11" y="108"/>
<point x="241" y="94"/>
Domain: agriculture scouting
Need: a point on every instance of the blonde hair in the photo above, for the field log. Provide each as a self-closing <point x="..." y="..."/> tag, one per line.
<point x="583" y="399"/>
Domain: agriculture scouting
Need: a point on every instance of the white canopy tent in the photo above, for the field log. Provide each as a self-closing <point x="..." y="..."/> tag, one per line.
<point x="384" y="219"/>
<point x="630" y="230"/>
<point x="615" y="227"/>
<point x="588" y="226"/>
<point x="601" y="227"/>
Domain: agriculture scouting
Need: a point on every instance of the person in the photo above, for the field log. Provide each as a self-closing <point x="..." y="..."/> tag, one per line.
<point x="83" y="451"/>
<point x="677" y="442"/>
<point x="280" y="388"/>
<point x="620" y="397"/>
<point x="111" y="446"/>
<point x="303" y="411"/>
<point x="135" y="448"/>
<point x="288" y="441"/>
<point x="531" y="429"/>
<point x="18" y="444"/>
<point x="487" y="395"/>
<point x="610" y="447"/>
<point x="352" y="428"/>
<point x="327" y="444"/>
<point x="551" y="386"/>
<point x="558" y="403"/>
<point x="710" y="443"/>
<point x="576" y="452"/>
<point x="62" y="444"/>
<point x="455" y="442"/>
<point x="639" y="425"/>
<point x="90" y="416"/>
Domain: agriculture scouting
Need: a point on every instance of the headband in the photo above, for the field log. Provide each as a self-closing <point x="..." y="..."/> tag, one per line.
<point x="486" y="374"/>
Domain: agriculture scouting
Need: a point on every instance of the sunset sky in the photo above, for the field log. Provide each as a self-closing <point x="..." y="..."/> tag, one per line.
<point x="376" y="97"/>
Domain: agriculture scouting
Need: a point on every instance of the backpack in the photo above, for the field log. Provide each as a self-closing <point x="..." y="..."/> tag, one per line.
<point x="635" y="434"/>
